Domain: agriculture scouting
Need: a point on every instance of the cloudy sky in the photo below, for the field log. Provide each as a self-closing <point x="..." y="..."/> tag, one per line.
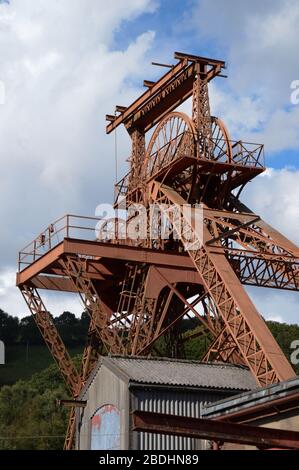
<point x="65" y="64"/>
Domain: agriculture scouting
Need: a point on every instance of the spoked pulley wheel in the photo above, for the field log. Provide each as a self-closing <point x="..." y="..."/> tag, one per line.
<point x="173" y="138"/>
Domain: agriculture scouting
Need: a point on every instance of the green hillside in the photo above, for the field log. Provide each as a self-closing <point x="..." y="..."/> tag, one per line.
<point x="26" y="353"/>
<point x="25" y="350"/>
<point x="23" y="361"/>
<point x="29" y="416"/>
<point x="30" y="383"/>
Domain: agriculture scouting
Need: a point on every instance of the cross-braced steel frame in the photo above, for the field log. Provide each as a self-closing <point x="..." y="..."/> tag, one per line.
<point x="138" y="293"/>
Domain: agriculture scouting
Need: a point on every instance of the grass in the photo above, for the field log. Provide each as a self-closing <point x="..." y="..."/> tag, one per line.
<point x="21" y="363"/>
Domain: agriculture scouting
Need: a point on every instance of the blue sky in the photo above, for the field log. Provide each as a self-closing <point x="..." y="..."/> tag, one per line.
<point x="168" y="21"/>
<point x="175" y="29"/>
<point x="64" y="65"/>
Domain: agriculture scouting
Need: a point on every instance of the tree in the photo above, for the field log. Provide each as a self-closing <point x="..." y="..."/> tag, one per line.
<point x="9" y="328"/>
<point x="66" y="324"/>
<point x="285" y="335"/>
<point x="66" y="319"/>
<point x="29" y="332"/>
<point x="29" y="416"/>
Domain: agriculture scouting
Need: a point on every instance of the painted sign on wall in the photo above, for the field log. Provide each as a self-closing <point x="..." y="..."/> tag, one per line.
<point x="105" y="429"/>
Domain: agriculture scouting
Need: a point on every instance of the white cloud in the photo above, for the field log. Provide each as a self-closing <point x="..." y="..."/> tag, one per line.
<point x="241" y="114"/>
<point x="274" y="196"/>
<point x="62" y="73"/>
<point x="43" y="65"/>
<point x="280" y="306"/>
<point x="276" y="318"/>
<point x="12" y="302"/>
<point x="259" y="40"/>
<point x="281" y="131"/>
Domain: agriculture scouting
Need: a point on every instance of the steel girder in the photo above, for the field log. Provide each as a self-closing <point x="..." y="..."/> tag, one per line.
<point x="214" y="430"/>
<point x="99" y="312"/>
<point x="91" y="354"/>
<point x="137" y="157"/>
<point x="152" y="295"/>
<point x="254" y="341"/>
<point x="201" y="113"/>
<point x="259" y="254"/>
<point x="52" y="339"/>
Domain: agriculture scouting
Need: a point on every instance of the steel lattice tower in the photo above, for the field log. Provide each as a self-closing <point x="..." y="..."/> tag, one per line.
<point x="138" y="291"/>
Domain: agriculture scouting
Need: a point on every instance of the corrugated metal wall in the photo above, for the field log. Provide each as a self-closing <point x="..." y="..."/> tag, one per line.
<point x="178" y="403"/>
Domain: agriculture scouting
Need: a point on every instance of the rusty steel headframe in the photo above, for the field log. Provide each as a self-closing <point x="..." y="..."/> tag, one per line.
<point x="138" y="292"/>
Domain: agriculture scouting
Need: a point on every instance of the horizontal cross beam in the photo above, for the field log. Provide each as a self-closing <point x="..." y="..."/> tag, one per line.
<point x="214" y="430"/>
<point x="166" y="94"/>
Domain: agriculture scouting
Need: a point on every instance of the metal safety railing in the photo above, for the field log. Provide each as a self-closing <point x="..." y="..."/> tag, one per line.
<point x="242" y="154"/>
<point x="248" y="154"/>
<point x="68" y="226"/>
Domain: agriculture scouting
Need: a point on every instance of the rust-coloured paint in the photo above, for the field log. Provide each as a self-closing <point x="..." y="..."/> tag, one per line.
<point x="105" y="429"/>
<point x="189" y="160"/>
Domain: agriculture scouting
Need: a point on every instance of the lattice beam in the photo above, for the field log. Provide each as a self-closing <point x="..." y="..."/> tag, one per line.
<point x="137" y="159"/>
<point x="97" y="309"/>
<point x="201" y="113"/>
<point x="52" y="338"/>
<point x="224" y="349"/>
<point x="248" y="330"/>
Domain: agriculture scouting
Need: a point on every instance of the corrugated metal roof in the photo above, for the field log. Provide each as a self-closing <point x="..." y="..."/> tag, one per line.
<point x="182" y="373"/>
